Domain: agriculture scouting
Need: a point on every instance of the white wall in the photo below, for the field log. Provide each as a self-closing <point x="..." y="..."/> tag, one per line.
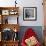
<point x="26" y="3"/>
<point x="33" y="3"/>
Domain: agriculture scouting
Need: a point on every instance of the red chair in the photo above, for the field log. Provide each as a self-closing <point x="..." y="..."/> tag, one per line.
<point x="29" y="33"/>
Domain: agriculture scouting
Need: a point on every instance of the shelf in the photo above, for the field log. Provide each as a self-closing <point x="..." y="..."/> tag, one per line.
<point x="6" y="12"/>
<point x="10" y="19"/>
<point x="11" y="41"/>
<point x="10" y="26"/>
<point x="9" y="23"/>
<point x="9" y="10"/>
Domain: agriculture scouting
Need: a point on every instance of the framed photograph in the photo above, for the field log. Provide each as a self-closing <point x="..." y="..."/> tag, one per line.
<point x="12" y="12"/>
<point x="29" y="13"/>
<point x="5" y="12"/>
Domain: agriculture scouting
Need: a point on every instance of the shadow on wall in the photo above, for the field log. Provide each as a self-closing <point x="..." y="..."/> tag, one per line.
<point x="37" y="29"/>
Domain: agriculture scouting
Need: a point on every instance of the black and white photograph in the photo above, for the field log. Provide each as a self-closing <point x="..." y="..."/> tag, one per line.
<point x="29" y="13"/>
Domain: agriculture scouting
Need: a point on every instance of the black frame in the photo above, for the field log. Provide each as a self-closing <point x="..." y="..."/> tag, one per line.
<point x="35" y="13"/>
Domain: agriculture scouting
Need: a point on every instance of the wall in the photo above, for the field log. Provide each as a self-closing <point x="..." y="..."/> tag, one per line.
<point x="33" y="3"/>
<point x="26" y="3"/>
<point x="36" y="29"/>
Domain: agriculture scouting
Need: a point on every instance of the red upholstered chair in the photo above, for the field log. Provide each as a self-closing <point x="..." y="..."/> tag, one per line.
<point x="29" y="33"/>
